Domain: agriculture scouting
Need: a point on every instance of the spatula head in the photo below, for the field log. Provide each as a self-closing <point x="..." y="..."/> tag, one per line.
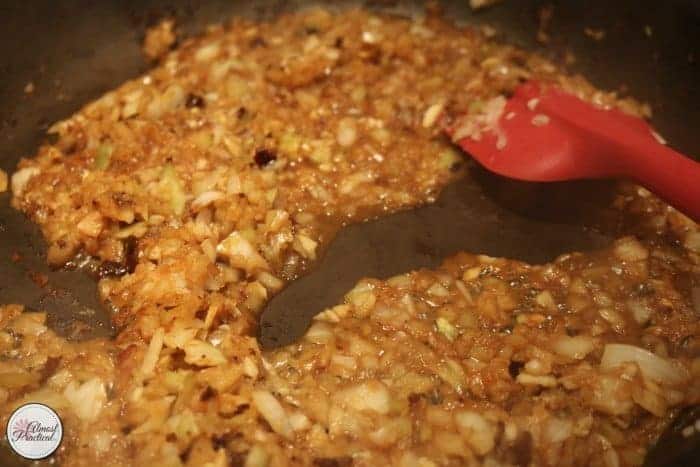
<point x="545" y="134"/>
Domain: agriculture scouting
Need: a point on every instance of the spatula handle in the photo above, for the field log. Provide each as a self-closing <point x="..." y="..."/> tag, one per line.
<point x="667" y="173"/>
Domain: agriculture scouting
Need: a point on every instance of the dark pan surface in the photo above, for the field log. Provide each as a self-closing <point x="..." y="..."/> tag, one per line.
<point x="469" y="216"/>
<point x="72" y="51"/>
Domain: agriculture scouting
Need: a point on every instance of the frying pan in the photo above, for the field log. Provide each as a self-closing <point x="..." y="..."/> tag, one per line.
<point x="73" y="51"/>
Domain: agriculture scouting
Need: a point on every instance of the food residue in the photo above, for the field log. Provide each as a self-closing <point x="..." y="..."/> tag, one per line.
<point x="595" y="34"/>
<point x="159" y="39"/>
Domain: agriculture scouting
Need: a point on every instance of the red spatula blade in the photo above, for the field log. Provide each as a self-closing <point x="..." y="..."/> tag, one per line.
<point x="546" y="134"/>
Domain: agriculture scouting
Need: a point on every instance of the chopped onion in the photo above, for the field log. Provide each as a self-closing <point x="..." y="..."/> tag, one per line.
<point x="532" y="103"/>
<point x="299" y="421"/>
<point x="367" y="396"/>
<point x="641" y="311"/>
<point x="334" y="314"/>
<point x="479" y="432"/>
<point x="273" y="412"/>
<point x="319" y="333"/>
<point x="202" y="353"/>
<point x="629" y="249"/>
<point x="102" y="159"/>
<point x="446" y="328"/>
<point x="152" y="353"/>
<point x="172" y="189"/>
<point x="452" y="373"/>
<point x="650" y="401"/>
<point x="183" y="425"/>
<point x="392" y="431"/>
<point x="652" y="366"/>
<point x="91" y="225"/>
<point x="558" y="429"/>
<point x="449" y="443"/>
<point x="87" y="399"/>
<point x="205" y="199"/>
<point x="611" y="394"/>
<point x="545" y="300"/>
<point x="485" y="119"/>
<point x="362" y="299"/>
<point x="241" y="253"/>
<point x="533" y="380"/>
<point x="438" y="290"/>
<point x="250" y="368"/>
<point x="305" y="246"/>
<point x="346" y="134"/>
<point x="540" y="120"/>
<point x="431" y="114"/>
<point x="207" y="52"/>
<point x="21" y="178"/>
<point x="610" y="456"/>
<point x="576" y="347"/>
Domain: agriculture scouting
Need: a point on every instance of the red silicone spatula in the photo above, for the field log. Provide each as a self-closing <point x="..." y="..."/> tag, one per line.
<point x="546" y="134"/>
